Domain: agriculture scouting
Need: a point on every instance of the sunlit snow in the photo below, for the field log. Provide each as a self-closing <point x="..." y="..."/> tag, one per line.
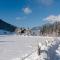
<point x="16" y="47"/>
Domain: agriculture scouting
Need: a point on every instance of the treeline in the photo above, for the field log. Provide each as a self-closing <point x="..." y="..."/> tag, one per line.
<point x="23" y="31"/>
<point x="48" y="29"/>
<point x="51" y="29"/>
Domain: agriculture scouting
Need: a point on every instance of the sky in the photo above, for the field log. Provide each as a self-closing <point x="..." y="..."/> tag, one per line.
<point x="29" y="13"/>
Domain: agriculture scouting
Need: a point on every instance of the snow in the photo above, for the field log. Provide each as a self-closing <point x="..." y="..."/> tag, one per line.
<point x="16" y="47"/>
<point x="16" y="59"/>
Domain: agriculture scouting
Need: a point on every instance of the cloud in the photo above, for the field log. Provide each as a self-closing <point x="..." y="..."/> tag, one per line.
<point x="52" y="18"/>
<point x="18" y="18"/>
<point x="21" y="18"/>
<point x="27" y="10"/>
<point x="46" y="2"/>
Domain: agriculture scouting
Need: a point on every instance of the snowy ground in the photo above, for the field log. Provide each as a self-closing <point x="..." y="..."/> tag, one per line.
<point x="16" y="47"/>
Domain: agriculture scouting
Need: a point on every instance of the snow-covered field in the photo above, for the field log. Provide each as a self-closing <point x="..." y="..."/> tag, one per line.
<point x="16" y="47"/>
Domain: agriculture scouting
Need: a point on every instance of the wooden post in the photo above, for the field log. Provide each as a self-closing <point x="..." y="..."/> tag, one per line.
<point x="39" y="50"/>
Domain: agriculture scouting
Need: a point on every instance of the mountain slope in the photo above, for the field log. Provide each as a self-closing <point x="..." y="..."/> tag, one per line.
<point x="6" y="26"/>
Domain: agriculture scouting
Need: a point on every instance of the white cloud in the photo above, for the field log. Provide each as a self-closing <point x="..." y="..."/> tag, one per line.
<point x="27" y="10"/>
<point x="46" y="2"/>
<point x="52" y="18"/>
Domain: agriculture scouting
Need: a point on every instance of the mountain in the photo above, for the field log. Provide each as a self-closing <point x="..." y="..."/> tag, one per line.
<point x="4" y="32"/>
<point x="6" y="27"/>
<point x="36" y="28"/>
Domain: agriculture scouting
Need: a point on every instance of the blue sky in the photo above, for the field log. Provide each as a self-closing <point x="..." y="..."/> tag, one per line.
<point x="29" y="13"/>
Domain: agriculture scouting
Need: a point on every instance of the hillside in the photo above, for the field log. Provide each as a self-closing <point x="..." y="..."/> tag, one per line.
<point x="6" y="27"/>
